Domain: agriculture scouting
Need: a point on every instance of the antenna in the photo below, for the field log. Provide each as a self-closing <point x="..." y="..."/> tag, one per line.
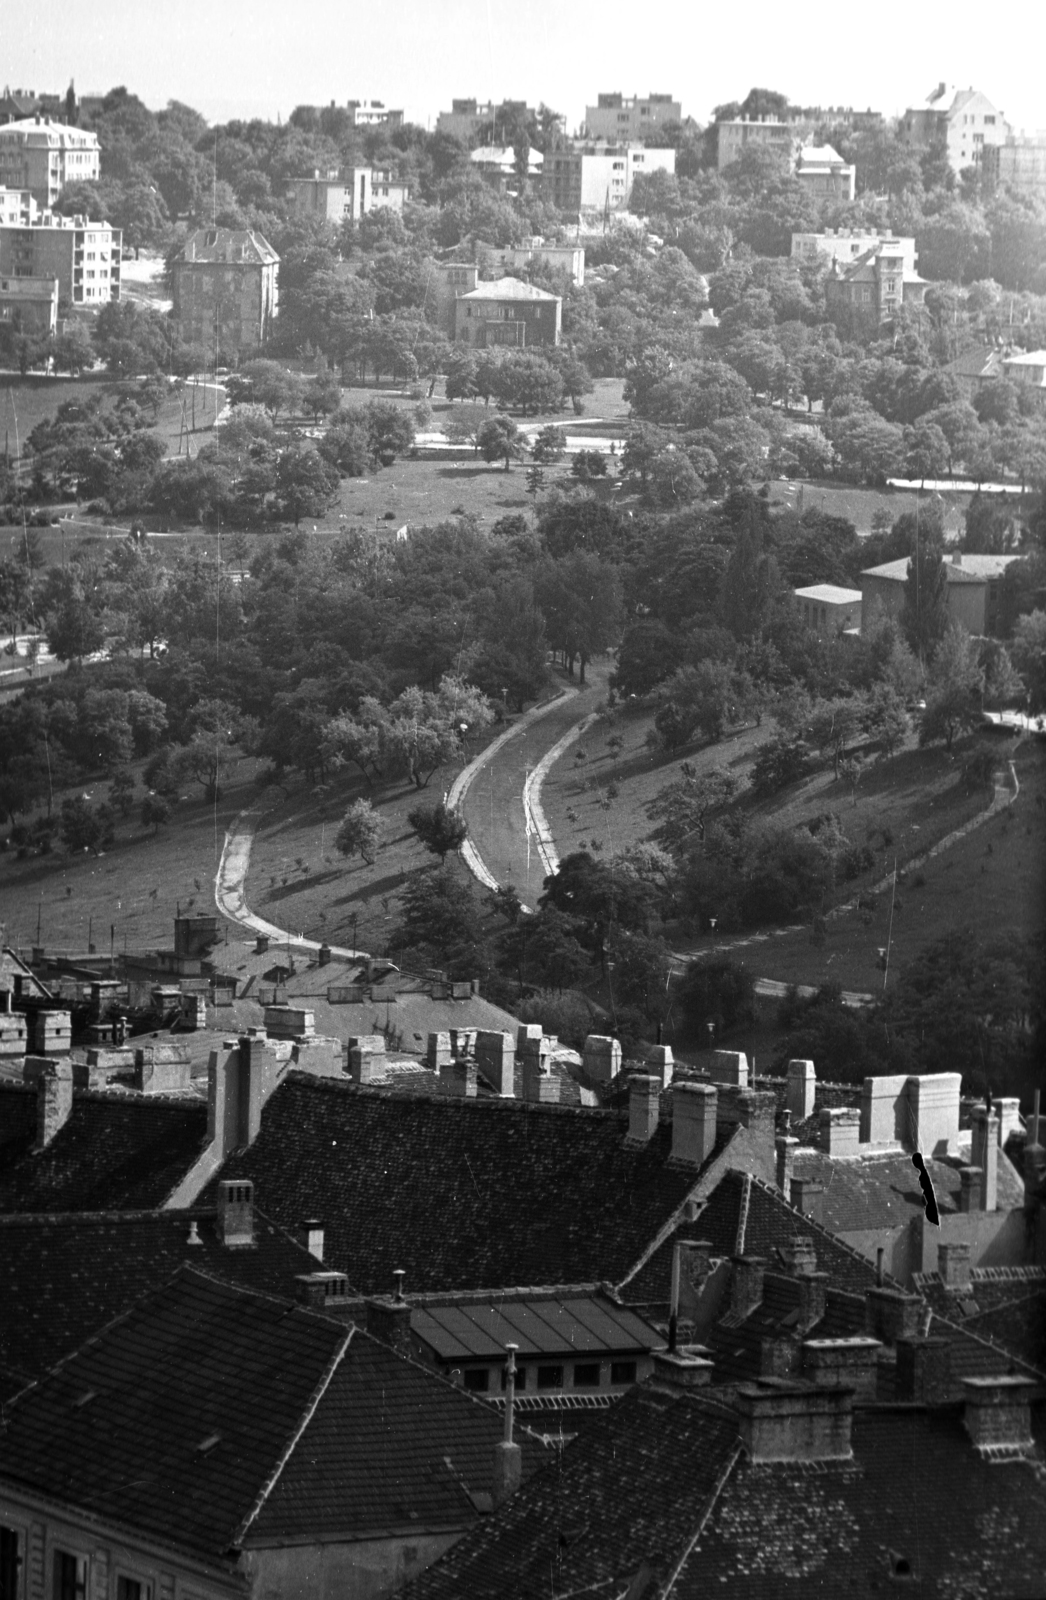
<point x="214" y="183"/>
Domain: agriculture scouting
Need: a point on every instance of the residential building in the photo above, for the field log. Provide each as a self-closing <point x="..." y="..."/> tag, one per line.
<point x="447" y="280"/>
<point x="568" y="259"/>
<point x="621" y="118"/>
<point x="975" y="367"/>
<point x="1028" y="370"/>
<point x="466" y="117"/>
<point x="829" y="609"/>
<point x="733" y="138"/>
<point x="599" y="177"/>
<point x="214" y="1441"/>
<point x="843" y="246"/>
<point x="498" y="164"/>
<point x="508" y="312"/>
<point x="373" y="114"/>
<point x="346" y="195"/>
<point x="822" y="173"/>
<point x="43" y="156"/>
<point x="83" y="256"/>
<point x="962" y="123"/>
<point x="1020" y="163"/>
<point x="785" y="1487"/>
<point x="17" y="208"/>
<point x="29" y="306"/>
<point x="226" y="290"/>
<point x="972" y="595"/>
<point x="874" y="287"/>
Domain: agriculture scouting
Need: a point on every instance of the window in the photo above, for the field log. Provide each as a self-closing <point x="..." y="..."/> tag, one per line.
<point x="477" y="1379"/>
<point x="989" y="122"/>
<point x="550" y="1377"/>
<point x="586" y="1375"/>
<point x="622" y="1372"/>
<point x="128" y="1588"/>
<point x="69" y="1580"/>
<point x="10" y="1563"/>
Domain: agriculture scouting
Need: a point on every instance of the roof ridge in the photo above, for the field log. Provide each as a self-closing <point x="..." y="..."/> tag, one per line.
<point x="447" y="1102"/>
<point x="989" y="1344"/>
<point x="702" y="1521"/>
<point x="306" y="1417"/>
<point x="888" y="1279"/>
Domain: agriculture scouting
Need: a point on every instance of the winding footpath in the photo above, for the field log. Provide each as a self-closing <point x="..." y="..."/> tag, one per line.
<point x="230" y="889"/>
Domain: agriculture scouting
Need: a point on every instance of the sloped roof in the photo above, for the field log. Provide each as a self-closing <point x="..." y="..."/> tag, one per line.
<point x="661" y="1499"/>
<point x="508" y="289"/>
<point x="230" y="246"/>
<point x="897" y="571"/>
<point x="115" y="1152"/>
<point x="882" y="1191"/>
<point x="62" y="1278"/>
<point x="1005" y="1306"/>
<point x="461" y="1193"/>
<point x="54" y="134"/>
<point x="208" y="1417"/>
<point x="830" y="593"/>
<point x="580" y="1325"/>
<point x="978" y="363"/>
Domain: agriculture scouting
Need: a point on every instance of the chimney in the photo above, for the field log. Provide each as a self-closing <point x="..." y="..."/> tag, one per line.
<point x="840" y="1130"/>
<point x="601" y="1057"/>
<point x="438" y="1051"/>
<point x="984" y="1153"/>
<point x="236" y="1212"/>
<point x="54" y="1095"/>
<point x="508" y="1457"/>
<point x="998" y="1413"/>
<point x="261" y="944"/>
<point x="953" y="1263"/>
<point x="458" y="1078"/>
<point x="843" y="1363"/>
<point x="786" y="1148"/>
<point x="807" y="1195"/>
<point x="787" y="1421"/>
<point x="891" y="1314"/>
<point x="310" y="1237"/>
<point x="800" y="1255"/>
<point x="367" y="1058"/>
<point x="924" y="1369"/>
<point x="802" y="1085"/>
<point x="643" y="1107"/>
<point x="496" y="1059"/>
<point x="318" y="1289"/>
<point x="661" y="1063"/>
<point x="970" y="1181"/>
<point x="324" y="957"/>
<point x="388" y="1317"/>
<point x="693" y="1122"/>
<point x="813" y="1294"/>
<point x="730" y="1066"/>
<point x="1008" y="1112"/>
<point x="746" y="1285"/>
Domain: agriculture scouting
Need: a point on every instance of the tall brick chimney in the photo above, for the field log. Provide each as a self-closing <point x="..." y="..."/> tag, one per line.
<point x="694" y="1108"/>
<point x="984" y="1153"/>
<point x="643" y="1107"/>
<point x="746" y="1284"/>
<point x="388" y="1317"/>
<point x="924" y="1369"/>
<point x="54" y="1095"/>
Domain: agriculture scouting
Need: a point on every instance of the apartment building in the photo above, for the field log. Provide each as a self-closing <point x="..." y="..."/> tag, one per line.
<point x="83" y="256"/>
<point x="17" y="208"/>
<point x="508" y="312"/>
<point x="347" y="194"/>
<point x="821" y="172"/>
<point x="28" y="306"/>
<point x="373" y="114"/>
<point x="1020" y="163"/>
<point x="41" y="155"/>
<point x="568" y="259"/>
<point x="226" y="288"/>
<point x="623" y="118"/>
<point x="599" y="177"/>
<point x="734" y="136"/>
<point x="877" y="284"/>
<point x="466" y="117"/>
<point x="961" y="122"/>
<point x="845" y="245"/>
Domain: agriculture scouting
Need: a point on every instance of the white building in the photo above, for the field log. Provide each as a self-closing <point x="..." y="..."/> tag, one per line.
<point x="620" y="118"/>
<point x="961" y="121"/>
<point x="43" y="156"/>
<point x="829" y="609"/>
<point x="599" y="177"/>
<point x="845" y="246"/>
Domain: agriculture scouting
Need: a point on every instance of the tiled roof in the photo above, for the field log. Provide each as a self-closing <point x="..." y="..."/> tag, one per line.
<point x="116" y="1152"/>
<point x="883" y="1191"/>
<point x="1008" y="1312"/>
<point x="981" y="363"/>
<point x="64" y="1277"/>
<point x="210" y="1417"/>
<point x="508" y="289"/>
<point x="461" y="1193"/>
<point x="230" y="246"/>
<point x="661" y="1501"/>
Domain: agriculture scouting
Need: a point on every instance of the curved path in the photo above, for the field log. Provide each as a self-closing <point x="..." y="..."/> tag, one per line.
<point x="230" y="889"/>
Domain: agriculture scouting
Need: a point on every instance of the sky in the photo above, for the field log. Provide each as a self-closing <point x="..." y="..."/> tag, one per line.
<point x="244" y="58"/>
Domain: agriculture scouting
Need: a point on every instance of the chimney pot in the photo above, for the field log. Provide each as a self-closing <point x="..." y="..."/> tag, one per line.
<point x="891" y="1314"/>
<point x="730" y="1067"/>
<point x="843" y="1363"/>
<point x="840" y="1129"/>
<point x="643" y="1107"/>
<point x="324" y="957"/>
<point x="261" y="944"/>
<point x="459" y="1078"/>
<point x="984" y="1153"/>
<point x="785" y="1148"/>
<point x="54" y="1095"/>
<point x="496" y="1059"/>
<point x="388" y="1319"/>
<point x="601" y="1057"/>
<point x="694" y="1108"/>
<point x="236" y="1212"/>
<point x="970" y="1180"/>
<point x="802" y="1088"/>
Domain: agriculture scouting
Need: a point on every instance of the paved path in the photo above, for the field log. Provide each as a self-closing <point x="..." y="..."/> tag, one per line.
<point x="230" y="889"/>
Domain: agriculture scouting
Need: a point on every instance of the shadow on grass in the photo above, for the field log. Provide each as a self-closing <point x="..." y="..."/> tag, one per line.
<point x="283" y="891"/>
<point x="370" y="891"/>
<point x="478" y="471"/>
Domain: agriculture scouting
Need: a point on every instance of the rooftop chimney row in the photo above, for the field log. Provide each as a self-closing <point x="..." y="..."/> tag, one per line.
<point x="694" y="1110"/>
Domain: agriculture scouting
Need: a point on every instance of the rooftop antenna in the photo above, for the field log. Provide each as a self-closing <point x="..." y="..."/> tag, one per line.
<point x="214" y="183"/>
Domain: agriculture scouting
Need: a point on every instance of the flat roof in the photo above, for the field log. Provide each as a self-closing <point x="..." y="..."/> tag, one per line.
<point x="830" y="594"/>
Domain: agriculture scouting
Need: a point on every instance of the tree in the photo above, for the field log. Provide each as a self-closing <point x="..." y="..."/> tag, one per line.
<point x="697" y="699"/>
<point x="588" y="464"/>
<point x="72" y="609"/>
<point x="439" y="829"/>
<point x="440" y="926"/>
<point x="682" y="809"/>
<point x="390" y="429"/>
<point x="954" y="696"/>
<point x="346" y="444"/>
<point x="717" y="989"/>
<point x="869" y="448"/>
<point x="360" y="832"/>
<point x="72" y="351"/>
<point x="423" y="731"/>
<point x="645" y="657"/>
<point x="835" y="724"/>
<point x="924" y="616"/>
<point x="783" y="759"/>
<point x="218" y="735"/>
<point x="155" y="811"/>
<point x="1029" y="656"/>
<point x="498" y="440"/>
<point x="322" y="395"/>
<point x="273" y="386"/>
<point x="461" y="376"/>
<point x="581" y="600"/>
<point x="549" y="446"/>
<point x="86" y="827"/>
<point x="306" y="484"/>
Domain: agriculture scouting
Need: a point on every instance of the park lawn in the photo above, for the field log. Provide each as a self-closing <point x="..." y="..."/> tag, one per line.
<point x="134" y="887"/>
<point x="860" y="505"/>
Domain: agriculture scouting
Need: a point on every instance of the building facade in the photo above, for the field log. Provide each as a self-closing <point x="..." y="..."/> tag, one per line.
<point x="623" y="118"/>
<point x="466" y="117"/>
<point x="821" y="172"/>
<point x="599" y="177"/>
<point x="845" y="245"/>
<point x="347" y="194"/>
<point x="734" y="136"/>
<point x="1020" y="163"/>
<point x="83" y="256"/>
<point x="874" y="287"/>
<point x="44" y="156"/>
<point x="829" y="609"/>
<point x="1028" y="370"/>
<point x="29" y="306"/>
<point x="226" y="288"/>
<point x="568" y="259"/>
<point x="373" y="114"/>
<point x="507" y="312"/>
<point x="972" y="595"/>
<point x="497" y="164"/>
<point x="17" y="208"/>
<point x="963" y="123"/>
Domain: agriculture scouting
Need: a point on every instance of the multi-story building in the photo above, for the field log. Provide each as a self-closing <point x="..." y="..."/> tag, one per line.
<point x="1028" y="369"/>
<point x="616" y="117"/>
<point x="507" y="312"/>
<point x="961" y="122"/>
<point x="568" y="259"/>
<point x="821" y="172"/>
<point x="373" y="114"/>
<point x="829" y="609"/>
<point x="877" y="284"/>
<point x="972" y="594"/>
<point x="734" y="136"/>
<point x="599" y="177"/>
<point x="497" y="164"/>
<point x="845" y="245"/>
<point x="225" y="288"/>
<point x="346" y="194"/>
<point x="83" y="256"/>
<point x="17" y="208"/>
<point x="43" y="156"/>
<point x="1020" y="163"/>
<point x="29" y="306"/>
<point x="466" y="117"/>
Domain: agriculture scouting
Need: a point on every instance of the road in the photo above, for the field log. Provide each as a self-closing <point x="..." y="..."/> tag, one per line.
<point x="230" y="889"/>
